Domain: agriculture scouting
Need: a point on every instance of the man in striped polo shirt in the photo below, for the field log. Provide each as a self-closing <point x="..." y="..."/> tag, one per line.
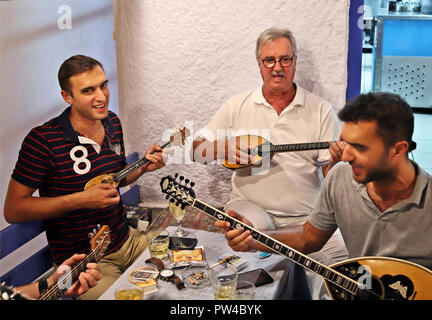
<point x="59" y="157"/>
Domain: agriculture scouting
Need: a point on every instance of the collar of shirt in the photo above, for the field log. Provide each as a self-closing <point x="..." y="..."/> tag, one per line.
<point x="415" y="198"/>
<point x="298" y="101"/>
<point x="69" y="132"/>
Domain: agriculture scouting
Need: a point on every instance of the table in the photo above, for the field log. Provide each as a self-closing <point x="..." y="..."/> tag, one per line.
<point x="289" y="278"/>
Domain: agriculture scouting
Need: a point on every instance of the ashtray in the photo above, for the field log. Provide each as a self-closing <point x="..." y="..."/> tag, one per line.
<point x="196" y="278"/>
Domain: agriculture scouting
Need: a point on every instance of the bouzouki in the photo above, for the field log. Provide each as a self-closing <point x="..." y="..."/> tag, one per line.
<point x="99" y="244"/>
<point x="353" y="279"/>
<point x="177" y="138"/>
<point x="260" y="149"/>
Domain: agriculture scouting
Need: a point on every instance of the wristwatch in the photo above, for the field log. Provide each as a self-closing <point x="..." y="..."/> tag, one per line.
<point x="166" y="274"/>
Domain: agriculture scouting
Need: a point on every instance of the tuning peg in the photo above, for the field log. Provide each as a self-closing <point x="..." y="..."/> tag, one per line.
<point x="176" y="175"/>
<point x="187" y="181"/>
<point x="181" y="178"/>
<point x="172" y="200"/>
<point x="183" y="207"/>
<point x="192" y="183"/>
<point x="167" y="197"/>
<point x="98" y="226"/>
<point x="91" y="235"/>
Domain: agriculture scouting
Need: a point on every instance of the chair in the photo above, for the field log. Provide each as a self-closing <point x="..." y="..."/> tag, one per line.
<point x="13" y="238"/>
<point x="17" y="235"/>
<point x="131" y="197"/>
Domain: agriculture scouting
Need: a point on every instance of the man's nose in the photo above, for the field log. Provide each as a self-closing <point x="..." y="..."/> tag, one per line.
<point x="347" y="154"/>
<point x="100" y="95"/>
<point x="278" y="66"/>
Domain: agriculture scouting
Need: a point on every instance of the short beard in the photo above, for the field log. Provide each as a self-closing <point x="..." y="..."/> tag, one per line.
<point x="377" y="175"/>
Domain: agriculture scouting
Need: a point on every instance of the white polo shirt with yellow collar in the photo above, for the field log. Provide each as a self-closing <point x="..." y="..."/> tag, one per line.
<point x="289" y="184"/>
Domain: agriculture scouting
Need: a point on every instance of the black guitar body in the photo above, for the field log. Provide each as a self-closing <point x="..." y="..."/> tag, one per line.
<point x="384" y="287"/>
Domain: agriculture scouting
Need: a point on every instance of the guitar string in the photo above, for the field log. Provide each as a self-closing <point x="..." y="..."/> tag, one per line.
<point x="134" y="166"/>
<point x="293" y="250"/>
<point x="298" y="146"/>
<point x="55" y="290"/>
<point x="357" y="284"/>
<point x="128" y="170"/>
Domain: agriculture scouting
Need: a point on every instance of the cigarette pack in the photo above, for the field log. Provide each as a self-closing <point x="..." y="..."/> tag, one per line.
<point x="145" y="278"/>
<point x="237" y="262"/>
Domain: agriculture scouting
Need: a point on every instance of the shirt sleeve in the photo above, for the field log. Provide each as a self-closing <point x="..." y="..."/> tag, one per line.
<point x="323" y="215"/>
<point x="330" y="129"/>
<point x="34" y="160"/>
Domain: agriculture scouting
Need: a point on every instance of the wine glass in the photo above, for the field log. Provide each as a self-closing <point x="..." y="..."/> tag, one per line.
<point x="178" y="213"/>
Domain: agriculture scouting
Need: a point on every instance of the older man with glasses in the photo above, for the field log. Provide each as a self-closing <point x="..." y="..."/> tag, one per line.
<point x="285" y="191"/>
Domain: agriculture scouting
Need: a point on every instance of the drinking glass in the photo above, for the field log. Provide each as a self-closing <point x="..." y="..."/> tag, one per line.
<point x="128" y="292"/>
<point x="158" y="246"/>
<point x="224" y="282"/>
<point x="178" y="213"/>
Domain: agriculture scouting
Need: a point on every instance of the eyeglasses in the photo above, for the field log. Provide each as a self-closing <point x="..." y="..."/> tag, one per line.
<point x="284" y="62"/>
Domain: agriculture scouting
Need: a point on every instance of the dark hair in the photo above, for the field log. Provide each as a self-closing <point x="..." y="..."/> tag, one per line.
<point x="75" y="65"/>
<point x="394" y="116"/>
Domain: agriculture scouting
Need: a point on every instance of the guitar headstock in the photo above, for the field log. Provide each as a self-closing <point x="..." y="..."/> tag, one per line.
<point x="178" y="191"/>
<point x="179" y="136"/>
<point x="100" y="241"/>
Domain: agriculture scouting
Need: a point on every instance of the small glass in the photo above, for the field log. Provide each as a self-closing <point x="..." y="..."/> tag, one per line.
<point x="158" y="246"/>
<point x="224" y="282"/>
<point x="245" y="290"/>
<point x="128" y="292"/>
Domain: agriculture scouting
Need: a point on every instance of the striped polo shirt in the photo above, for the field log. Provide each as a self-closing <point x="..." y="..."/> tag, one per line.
<point x="57" y="160"/>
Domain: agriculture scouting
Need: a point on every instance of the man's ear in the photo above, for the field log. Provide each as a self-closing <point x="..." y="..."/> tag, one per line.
<point x="400" y="148"/>
<point x="67" y="96"/>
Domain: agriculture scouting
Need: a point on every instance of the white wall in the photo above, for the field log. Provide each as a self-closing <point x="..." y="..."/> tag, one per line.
<point x="178" y="61"/>
<point x="32" y="48"/>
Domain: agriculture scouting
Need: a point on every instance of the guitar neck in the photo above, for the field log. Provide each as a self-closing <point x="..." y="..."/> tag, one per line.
<point x="331" y="275"/>
<point x="57" y="289"/>
<point x="119" y="176"/>
<point x="299" y="146"/>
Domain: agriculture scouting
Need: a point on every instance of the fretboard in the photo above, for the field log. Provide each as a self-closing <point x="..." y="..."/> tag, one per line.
<point x="57" y="289"/>
<point x="298" y="147"/>
<point x="331" y="275"/>
<point x="119" y="176"/>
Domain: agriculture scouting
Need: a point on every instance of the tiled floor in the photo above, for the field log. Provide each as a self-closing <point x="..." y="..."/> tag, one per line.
<point x="422" y="122"/>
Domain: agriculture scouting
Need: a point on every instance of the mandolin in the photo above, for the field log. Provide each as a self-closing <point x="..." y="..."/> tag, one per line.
<point x="176" y="139"/>
<point x="99" y="243"/>
<point x="363" y="278"/>
<point x="260" y="149"/>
